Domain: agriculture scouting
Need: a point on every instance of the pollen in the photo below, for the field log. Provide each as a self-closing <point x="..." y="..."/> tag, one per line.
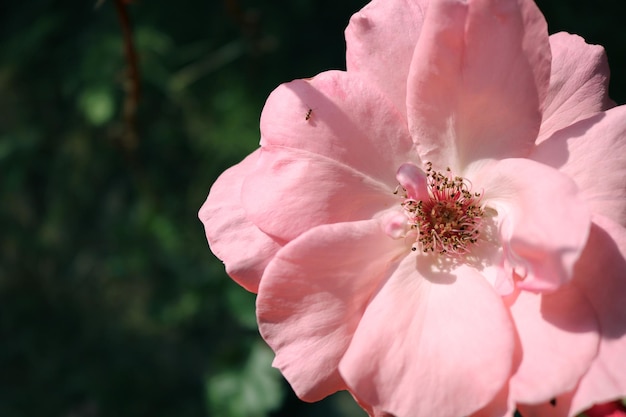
<point x="448" y="219"/>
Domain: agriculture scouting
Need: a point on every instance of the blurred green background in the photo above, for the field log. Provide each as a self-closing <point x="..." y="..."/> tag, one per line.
<point x="111" y="303"/>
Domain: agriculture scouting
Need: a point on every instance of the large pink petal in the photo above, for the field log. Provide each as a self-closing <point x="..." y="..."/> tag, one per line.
<point x="290" y="191"/>
<point x="579" y="83"/>
<point x="371" y="411"/>
<point x="500" y="406"/>
<point x="430" y="343"/>
<point x="601" y="275"/>
<point x="543" y="222"/>
<point x="558" y="335"/>
<point x="593" y="153"/>
<point x="350" y="122"/>
<point x="369" y="35"/>
<point x="312" y="296"/>
<point x="477" y="81"/>
<point x="243" y="248"/>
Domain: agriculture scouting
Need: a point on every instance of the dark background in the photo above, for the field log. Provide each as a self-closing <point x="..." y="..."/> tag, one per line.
<point x="111" y="303"/>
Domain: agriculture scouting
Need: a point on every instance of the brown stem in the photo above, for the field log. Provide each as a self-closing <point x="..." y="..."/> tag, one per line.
<point x="132" y="81"/>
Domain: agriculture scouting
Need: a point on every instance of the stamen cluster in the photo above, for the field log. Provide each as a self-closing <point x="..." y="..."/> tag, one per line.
<point x="448" y="221"/>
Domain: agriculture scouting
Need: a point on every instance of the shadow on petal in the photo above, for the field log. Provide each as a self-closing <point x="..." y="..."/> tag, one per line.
<point x="554" y="151"/>
<point x="601" y="274"/>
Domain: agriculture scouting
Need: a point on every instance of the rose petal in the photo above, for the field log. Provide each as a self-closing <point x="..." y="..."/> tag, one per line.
<point x="413" y="180"/>
<point x="478" y="77"/>
<point x="244" y="249"/>
<point x="593" y="153"/>
<point x="371" y="31"/>
<point x="557" y="407"/>
<point x="601" y="275"/>
<point x="500" y="406"/>
<point x="371" y="411"/>
<point x="291" y="191"/>
<point x="312" y="297"/>
<point x="350" y="122"/>
<point x="579" y="83"/>
<point x="424" y="336"/>
<point x="558" y="336"/>
<point x="543" y="223"/>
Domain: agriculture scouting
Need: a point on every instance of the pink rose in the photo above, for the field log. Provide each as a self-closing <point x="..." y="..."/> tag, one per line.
<point x="440" y="229"/>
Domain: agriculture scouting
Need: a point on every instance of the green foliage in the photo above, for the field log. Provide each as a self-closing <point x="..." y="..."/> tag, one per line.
<point x="248" y="392"/>
<point x="97" y="105"/>
<point x="112" y="304"/>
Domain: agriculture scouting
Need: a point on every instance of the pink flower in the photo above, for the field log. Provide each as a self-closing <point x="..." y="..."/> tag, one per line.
<point x="440" y="229"/>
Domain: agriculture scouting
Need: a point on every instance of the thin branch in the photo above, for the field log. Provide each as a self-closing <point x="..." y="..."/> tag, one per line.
<point x="132" y="83"/>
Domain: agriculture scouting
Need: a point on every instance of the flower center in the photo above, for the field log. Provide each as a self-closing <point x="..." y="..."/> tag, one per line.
<point x="442" y="211"/>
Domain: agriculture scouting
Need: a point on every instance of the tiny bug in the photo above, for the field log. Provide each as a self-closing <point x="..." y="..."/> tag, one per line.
<point x="308" y="114"/>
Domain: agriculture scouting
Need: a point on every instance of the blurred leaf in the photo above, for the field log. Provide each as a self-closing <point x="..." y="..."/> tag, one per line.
<point x="98" y="105"/>
<point x="251" y="392"/>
